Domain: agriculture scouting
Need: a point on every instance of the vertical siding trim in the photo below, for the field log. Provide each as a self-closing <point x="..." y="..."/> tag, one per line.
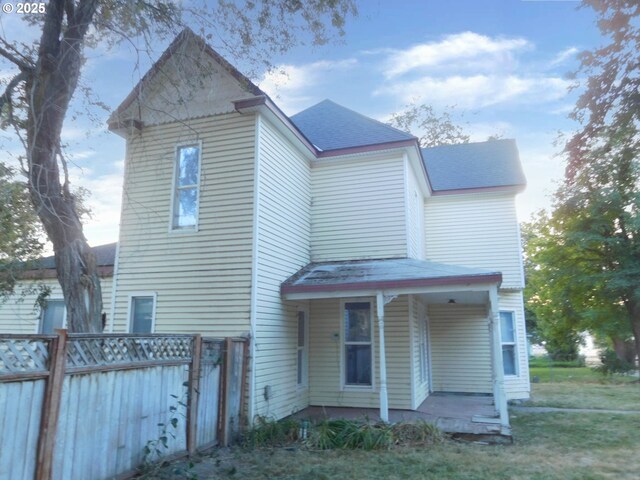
<point x="412" y="350"/>
<point x="114" y="285"/>
<point x="253" y="306"/>
<point x="407" y="199"/>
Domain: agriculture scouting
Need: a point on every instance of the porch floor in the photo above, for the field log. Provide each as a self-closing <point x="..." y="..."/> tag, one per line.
<point x="452" y="413"/>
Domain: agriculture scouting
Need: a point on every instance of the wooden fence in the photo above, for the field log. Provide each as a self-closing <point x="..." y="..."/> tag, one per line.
<point x="97" y="406"/>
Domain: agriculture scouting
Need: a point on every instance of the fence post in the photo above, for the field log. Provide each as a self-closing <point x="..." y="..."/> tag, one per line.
<point x="223" y="416"/>
<point x="194" y="393"/>
<point x="51" y="406"/>
<point x="244" y="386"/>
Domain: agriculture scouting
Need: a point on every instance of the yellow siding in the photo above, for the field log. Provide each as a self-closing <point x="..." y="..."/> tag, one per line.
<point x="476" y="230"/>
<point x="358" y="209"/>
<point x="202" y="279"/>
<point x="284" y="226"/>
<point x="460" y="348"/>
<point x="325" y="352"/>
<point x="19" y="314"/>
<point x="517" y="387"/>
<point x="415" y="215"/>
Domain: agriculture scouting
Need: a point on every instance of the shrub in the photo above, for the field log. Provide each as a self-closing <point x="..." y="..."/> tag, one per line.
<point x="612" y="364"/>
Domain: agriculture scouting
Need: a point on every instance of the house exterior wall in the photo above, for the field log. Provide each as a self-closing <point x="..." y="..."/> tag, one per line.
<point x="475" y="230"/>
<point x="414" y="212"/>
<point x="202" y="278"/>
<point x="518" y="386"/>
<point x="460" y="348"/>
<point x="19" y="313"/>
<point x="358" y="208"/>
<point x="325" y="363"/>
<point x="284" y="226"/>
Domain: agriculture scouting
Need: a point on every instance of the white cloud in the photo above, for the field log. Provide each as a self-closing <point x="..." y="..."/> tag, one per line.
<point x="478" y="90"/>
<point x="459" y="49"/>
<point x="566" y="54"/>
<point x="292" y="84"/>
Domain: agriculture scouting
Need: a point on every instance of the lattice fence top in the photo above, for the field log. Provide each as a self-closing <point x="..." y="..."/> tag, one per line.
<point x="116" y="350"/>
<point x="24" y="355"/>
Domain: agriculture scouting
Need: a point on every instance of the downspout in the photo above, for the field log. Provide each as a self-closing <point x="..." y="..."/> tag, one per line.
<point x="254" y="276"/>
<point x="498" y="372"/>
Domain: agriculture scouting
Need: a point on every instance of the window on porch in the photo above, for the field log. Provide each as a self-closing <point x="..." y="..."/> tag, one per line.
<point x="358" y="347"/>
<point x="507" y="329"/>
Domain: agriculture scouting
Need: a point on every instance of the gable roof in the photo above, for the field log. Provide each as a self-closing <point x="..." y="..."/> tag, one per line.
<point x="391" y="273"/>
<point x="480" y="165"/>
<point x="330" y="126"/>
<point x="187" y="35"/>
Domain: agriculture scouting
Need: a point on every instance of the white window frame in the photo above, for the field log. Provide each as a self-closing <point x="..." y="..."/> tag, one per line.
<point x="133" y="295"/>
<point x="513" y="343"/>
<point x="302" y="368"/>
<point x="173" y="227"/>
<point x="41" y="316"/>
<point x="343" y="344"/>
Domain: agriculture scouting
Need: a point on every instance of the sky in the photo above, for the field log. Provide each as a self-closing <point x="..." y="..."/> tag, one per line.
<point x="500" y="66"/>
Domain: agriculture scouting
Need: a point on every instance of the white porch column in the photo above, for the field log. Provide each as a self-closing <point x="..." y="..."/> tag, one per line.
<point x="498" y="369"/>
<point x="381" y="301"/>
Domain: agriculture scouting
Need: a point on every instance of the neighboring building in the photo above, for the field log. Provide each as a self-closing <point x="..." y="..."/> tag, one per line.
<point x="323" y="237"/>
<point x="22" y="313"/>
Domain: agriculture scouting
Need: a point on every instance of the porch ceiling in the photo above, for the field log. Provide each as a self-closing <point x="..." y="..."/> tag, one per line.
<point x="393" y="276"/>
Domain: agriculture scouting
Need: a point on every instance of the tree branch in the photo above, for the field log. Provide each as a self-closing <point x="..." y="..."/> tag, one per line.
<point x="6" y="96"/>
<point x="21" y="64"/>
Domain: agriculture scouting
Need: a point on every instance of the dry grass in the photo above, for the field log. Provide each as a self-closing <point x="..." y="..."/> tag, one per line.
<point x="547" y="446"/>
<point x="624" y="396"/>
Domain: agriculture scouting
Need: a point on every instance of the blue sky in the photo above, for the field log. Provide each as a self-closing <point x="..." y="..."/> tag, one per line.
<point x="501" y="65"/>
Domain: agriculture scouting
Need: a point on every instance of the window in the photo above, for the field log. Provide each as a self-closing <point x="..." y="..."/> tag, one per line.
<point x="142" y="313"/>
<point x="53" y="316"/>
<point x="186" y="193"/>
<point x="508" y="333"/>
<point x="358" y="346"/>
<point x="302" y="349"/>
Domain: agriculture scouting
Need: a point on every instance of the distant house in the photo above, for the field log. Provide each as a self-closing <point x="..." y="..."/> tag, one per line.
<point x="367" y="271"/>
<point x="21" y="312"/>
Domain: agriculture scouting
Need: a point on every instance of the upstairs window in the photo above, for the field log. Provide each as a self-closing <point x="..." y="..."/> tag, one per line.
<point x="187" y="187"/>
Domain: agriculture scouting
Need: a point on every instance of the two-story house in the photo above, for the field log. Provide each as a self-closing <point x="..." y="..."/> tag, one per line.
<point x="367" y="271"/>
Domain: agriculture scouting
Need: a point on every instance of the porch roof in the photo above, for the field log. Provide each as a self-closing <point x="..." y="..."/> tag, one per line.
<point x="335" y="278"/>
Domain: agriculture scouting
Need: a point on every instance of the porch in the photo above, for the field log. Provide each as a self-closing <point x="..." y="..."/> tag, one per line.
<point x="456" y="414"/>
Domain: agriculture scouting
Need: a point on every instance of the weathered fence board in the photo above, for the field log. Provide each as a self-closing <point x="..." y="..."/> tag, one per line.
<point x="112" y="397"/>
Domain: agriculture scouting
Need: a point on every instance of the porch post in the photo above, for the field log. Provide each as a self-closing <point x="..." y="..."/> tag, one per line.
<point x="498" y="372"/>
<point x="384" y="406"/>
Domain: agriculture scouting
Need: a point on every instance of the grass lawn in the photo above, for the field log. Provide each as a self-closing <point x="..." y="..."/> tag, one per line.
<point x="547" y="445"/>
<point x="583" y="388"/>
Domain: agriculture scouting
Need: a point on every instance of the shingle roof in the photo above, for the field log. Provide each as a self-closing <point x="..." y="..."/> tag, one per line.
<point x="385" y="273"/>
<point x="330" y="126"/>
<point x="105" y="257"/>
<point x="494" y="163"/>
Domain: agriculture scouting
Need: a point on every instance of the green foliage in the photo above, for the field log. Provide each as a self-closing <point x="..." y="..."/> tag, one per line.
<point x="611" y="364"/>
<point x="332" y="434"/>
<point x="20" y="230"/>
<point x="540" y="362"/>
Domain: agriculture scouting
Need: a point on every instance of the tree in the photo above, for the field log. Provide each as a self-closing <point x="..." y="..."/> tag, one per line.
<point x="433" y="129"/>
<point x="598" y="204"/>
<point x="36" y="98"/>
<point x="20" y="230"/>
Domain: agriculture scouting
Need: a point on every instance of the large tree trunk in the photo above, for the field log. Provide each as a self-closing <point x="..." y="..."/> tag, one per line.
<point x="50" y="89"/>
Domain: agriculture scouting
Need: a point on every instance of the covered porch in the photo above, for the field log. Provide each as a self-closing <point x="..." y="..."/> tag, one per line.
<point x="401" y="364"/>
<point x="472" y="415"/>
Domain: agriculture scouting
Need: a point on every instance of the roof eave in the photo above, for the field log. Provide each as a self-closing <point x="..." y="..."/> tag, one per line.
<point x="462" y="191"/>
<point x="425" y="283"/>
